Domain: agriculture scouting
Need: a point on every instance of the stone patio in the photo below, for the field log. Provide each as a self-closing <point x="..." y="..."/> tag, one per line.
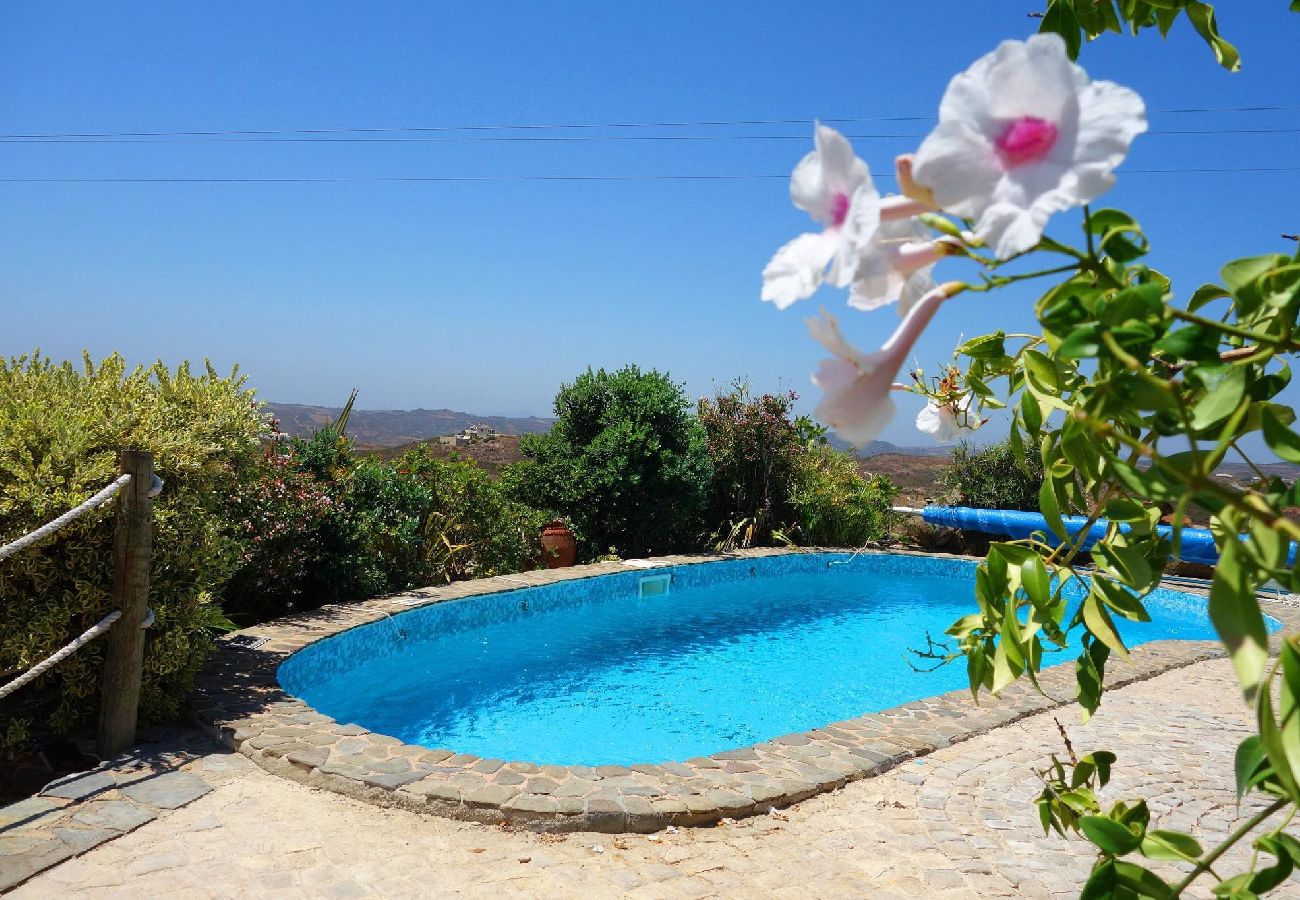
<point x="957" y="823"/>
<point x="239" y="697"/>
<point x="950" y="807"/>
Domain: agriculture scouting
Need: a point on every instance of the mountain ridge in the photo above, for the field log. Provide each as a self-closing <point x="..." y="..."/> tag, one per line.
<point x="387" y="428"/>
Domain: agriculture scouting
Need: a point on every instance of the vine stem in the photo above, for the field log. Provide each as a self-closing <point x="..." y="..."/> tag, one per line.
<point x="1225" y="328"/>
<point x="1242" y="830"/>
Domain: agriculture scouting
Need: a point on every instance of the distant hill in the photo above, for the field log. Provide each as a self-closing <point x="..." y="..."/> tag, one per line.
<point x="876" y="448"/>
<point x="387" y="428"/>
<point x="384" y="428"/>
<point x="492" y="456"/>
<point x="916" y="474"/>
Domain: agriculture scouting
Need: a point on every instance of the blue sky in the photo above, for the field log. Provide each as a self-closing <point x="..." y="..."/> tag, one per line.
<point x="484" y="296"/>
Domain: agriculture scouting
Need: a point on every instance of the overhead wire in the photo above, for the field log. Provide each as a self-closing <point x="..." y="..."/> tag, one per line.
<point x="700" y="123"/>
<point x="561" y="139"/>
<point x="469" y="179"/>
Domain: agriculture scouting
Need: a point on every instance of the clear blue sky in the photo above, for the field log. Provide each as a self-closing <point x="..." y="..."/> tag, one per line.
<point x="485" y="296"/>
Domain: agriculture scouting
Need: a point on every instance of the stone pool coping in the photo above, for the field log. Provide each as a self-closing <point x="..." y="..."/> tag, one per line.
<point x="238" y="698"/>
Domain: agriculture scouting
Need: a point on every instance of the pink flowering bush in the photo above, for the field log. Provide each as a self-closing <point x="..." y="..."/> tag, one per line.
<point x="775" y="478"/>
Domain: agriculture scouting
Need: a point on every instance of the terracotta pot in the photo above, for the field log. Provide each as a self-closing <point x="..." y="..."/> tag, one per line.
<point x="559" y="546"/>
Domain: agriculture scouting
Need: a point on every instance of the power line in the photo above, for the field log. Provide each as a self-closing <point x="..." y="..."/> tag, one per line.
<point x="563" y="139"/>
<point x="476" y="179"/>
<point x="716" y="123"/>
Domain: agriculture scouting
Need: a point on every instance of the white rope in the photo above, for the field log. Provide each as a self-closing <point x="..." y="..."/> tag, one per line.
<point x="50" y="527"/>
<point x="45" y="665"/>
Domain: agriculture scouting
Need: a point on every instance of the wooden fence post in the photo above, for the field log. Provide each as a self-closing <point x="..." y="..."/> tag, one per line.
<point x="124" y="655"/>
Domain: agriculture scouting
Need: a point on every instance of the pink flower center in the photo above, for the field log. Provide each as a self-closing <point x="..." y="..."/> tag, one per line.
<point x="1025" y="140"/>
<point x="839" y="209"/>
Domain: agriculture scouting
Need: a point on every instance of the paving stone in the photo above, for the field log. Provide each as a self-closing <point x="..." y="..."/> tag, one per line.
<point x="531" y="803"/>
<point x="118" y="815"/>
<point x="308" y="759"/>
<point x="395" y="766"/>
<point x="394" y="780"/>
<point x="489" y="795"/>
<point x="82" y="839"/>
<point x="28" y="813"/>
<point x="435" y="789"/>
<point x="169" y="790"/>
<point x="79" y="787"/>
<point x="540" y="786"/>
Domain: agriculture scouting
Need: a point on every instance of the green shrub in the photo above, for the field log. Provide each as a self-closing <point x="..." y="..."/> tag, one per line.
<point x="324" y="527"/>
<point x="60" y="429"/>
<point x="775" y="479"/>
<point x="992" y="478"/>
<point x="282" y="513"/>
<point x="625" y="463"/>
<point x="473" y="529"/>
<point x="835" y="505"/>
<point x="756" y="449"/>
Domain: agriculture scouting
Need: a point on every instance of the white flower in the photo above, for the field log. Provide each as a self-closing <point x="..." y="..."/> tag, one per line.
<point x="946" y="422"/>
<point x="895" y="264"/>
<point x="856" y="386"/>
<point x="835" y="188"/>
<point x="1023" y="134"/>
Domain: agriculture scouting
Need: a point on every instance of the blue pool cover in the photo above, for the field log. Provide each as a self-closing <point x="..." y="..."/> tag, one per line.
<point x="1196" y="544"/>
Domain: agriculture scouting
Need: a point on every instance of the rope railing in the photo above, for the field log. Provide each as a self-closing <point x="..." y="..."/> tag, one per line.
<point x="54" y="659"/>
<point x="104" y="624"/>
<point x="71" y="515"/>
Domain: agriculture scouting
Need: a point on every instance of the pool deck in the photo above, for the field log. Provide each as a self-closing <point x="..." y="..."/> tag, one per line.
<point x="239" y="703"/>
<point x="239" y="698"/>
<point x="958" y="823"/>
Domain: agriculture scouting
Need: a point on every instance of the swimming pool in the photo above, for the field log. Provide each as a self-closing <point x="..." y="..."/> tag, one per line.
<point x="590" y="672"/>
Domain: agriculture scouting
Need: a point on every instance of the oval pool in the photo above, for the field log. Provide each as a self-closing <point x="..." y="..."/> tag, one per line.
<point x="590" y="672"/>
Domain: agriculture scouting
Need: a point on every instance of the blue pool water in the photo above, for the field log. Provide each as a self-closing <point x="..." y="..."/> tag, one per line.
<point x="585" y="672"/>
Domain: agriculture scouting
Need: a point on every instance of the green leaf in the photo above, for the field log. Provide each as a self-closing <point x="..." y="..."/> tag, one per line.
<point x="1050" y="509"/>
<point x="1202" y="16"/>
<point x="1124" y="510"/>
<point x="1266" y="879"/>
<point x="1088" y="671"/>
<point x="1141" y="882"/>
<point x="1101" y="883"/>
<point x="1280" y="439"/>
<point x="1109" y="835"/>
<point x="1126" y="563"/>
<point x="1119" y="235"/>
<point x="1031" y="413"/>
<point x="1192" y="342"/>
<point x="1236" y="615"/>
<point x="1250" y="764"/>
<point x="1099" y="622"/>
<point x="1160" y="844"/>
<point x="1289" y="705"/>
<point x="1119" y="599"/>
<point x="1059" y="19"/>
<point x="1221" y="400"/>
<point x="1271" y="739"/>
<point x="1241" y="275"/>
<point x="1204" y="294"/>
<point x="1042" y="370"/>
<point x="1082" y="342"/>
<point x="986" y="346"/>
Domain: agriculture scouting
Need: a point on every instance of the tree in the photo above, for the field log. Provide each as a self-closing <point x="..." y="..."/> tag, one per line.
<point x="625" y="463"/>
<point x="993" y="477"/>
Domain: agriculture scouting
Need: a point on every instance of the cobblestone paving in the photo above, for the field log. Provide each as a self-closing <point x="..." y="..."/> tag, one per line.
<point x="240" y="697"/>
<point x="957" y="823"/>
